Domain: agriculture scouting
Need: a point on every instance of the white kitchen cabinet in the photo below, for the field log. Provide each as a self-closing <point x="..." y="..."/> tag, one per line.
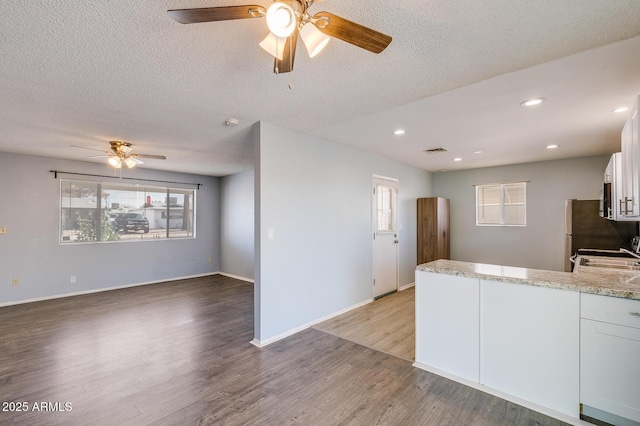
<point x="629" y="201"/>
<point x="516" y="339"/>
<point x="608" y="171"/>
<point x="613" y="177"/>
<point x="529" y="343"/>
<point x="610" y="355"/>
<point x="447" y="323"/>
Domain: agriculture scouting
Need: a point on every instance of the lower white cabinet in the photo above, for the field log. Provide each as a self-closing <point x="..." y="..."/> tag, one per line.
<point x="610" y="355"/>
<point x="519" y="340"/>
<point x="447" y="324"/>
<point x="529" y="345"/>
<point x="555" y="348"/>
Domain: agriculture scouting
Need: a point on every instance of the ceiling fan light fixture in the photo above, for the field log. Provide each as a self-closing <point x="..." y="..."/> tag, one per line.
<point x="282" y="19"/>
<point x="115" y="162"/>
<point x="130" y="162"/>
<point x="274" y="45"/>
<point x="314" y="39"/>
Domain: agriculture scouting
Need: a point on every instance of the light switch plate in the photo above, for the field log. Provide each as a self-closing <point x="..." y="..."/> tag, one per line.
<point x="3" y="230"/>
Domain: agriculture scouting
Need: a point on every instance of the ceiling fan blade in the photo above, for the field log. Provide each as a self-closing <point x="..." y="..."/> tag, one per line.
<point x="156" y="157"/>
<point x="353" y="33"/>
<point x="288" y="55"/>
<point x="223" y="13"/>
<point x="98" y="156"/>
<point x="135" y="160"/>
<point x="90" y="149"/>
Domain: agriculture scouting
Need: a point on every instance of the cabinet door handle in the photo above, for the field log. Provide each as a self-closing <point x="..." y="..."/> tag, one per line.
<point x="625" y="209"/>
<point x="635" y="314"/>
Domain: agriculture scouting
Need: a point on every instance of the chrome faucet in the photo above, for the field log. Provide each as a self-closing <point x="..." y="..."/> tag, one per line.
<point x="624" y="250"/>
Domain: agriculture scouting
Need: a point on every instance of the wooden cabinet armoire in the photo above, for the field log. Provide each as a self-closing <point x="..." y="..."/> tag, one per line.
<point x="433" y="229"/>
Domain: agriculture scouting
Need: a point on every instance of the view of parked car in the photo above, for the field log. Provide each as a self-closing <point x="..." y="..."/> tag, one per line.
<point x="126" y="222"/>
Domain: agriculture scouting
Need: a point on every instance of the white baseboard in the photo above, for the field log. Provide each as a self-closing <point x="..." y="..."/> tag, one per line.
<point x="237" y="277"/>
<point x="406" y="286"/>
<point x="523" y="402"/>
<point x="100" y="290"/>
<point x="263" y="343"/>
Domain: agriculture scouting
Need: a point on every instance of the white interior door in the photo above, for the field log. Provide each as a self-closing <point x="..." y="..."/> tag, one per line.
<point x="385" y="236"/>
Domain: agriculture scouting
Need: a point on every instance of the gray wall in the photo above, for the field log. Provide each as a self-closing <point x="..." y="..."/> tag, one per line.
<point x="31" y="250"/>
<point x="316" y="196"/>
<point x="236" y="225"/>
<point x="540" y="244"/>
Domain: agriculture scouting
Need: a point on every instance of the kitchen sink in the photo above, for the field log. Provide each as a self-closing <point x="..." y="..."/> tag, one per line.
<point x="630" y="264"/>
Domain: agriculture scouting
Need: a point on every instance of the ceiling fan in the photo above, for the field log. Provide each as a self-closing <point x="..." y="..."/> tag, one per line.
<point x="286" y="19"/>
<point x="121" y="153"/>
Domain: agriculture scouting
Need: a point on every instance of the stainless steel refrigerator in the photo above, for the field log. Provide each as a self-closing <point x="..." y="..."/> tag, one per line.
<point x="585" y="229"/>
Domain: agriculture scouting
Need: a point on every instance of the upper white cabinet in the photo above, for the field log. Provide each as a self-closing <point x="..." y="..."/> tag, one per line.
<point x="629" y="203"/>
<point x="613" y="184"/>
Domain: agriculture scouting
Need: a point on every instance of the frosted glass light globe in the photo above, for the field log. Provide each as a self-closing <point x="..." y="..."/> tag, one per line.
<point x="281" y="19"/>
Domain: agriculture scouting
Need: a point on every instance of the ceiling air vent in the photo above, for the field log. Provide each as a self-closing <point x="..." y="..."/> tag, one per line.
<point x="435" y="150"/>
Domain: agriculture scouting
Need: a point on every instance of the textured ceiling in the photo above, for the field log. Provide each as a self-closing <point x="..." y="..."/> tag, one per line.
<point x="84" y="72"/>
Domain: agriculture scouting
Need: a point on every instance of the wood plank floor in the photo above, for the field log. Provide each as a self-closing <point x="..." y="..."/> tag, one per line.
<point x="386" y="325"/>
<point x="178" y="354"/>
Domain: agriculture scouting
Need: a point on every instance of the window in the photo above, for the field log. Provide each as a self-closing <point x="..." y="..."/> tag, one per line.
<point x="97" y="212"/>
<point x="501" y="204"/>
<point x="385" y="208"/>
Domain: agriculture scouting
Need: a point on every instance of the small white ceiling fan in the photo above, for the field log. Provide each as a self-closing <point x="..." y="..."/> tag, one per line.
<point x="122" y="153"/>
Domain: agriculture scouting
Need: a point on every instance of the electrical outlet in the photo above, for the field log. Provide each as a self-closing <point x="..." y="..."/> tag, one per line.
<point x="271" y="234"/>
<point x="72" y="280"/>
<point x="15" y="281"/>
<point x="3" y="230"/>
<point x="209" y="260"/>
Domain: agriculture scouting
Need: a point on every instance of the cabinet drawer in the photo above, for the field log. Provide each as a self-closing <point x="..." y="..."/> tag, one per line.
<point x="613" y="310"/>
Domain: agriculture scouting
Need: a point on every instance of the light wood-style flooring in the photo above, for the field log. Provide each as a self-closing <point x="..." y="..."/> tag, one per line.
<point x="178" y="353"/>
<point x="386" y="324"/>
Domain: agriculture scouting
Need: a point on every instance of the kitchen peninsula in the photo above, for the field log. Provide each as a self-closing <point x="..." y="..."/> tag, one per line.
<point x="542" y="339"/>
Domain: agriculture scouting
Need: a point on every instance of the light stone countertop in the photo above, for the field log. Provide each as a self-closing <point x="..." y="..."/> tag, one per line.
<point x="606" y="282"/>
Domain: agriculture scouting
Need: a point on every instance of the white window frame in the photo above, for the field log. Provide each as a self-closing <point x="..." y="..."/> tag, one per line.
<point x="502" y="203"/>
<point x="96" y="209"/>
<point x="392" y="210"/>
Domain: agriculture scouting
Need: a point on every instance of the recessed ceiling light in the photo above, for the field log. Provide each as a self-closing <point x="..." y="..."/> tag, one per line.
<point x="399" y="132"/>
<point x="532" y="102"/>
<point x="457" y="159"/>
<point x="477" y="152"/>
<point x="552" y="146"/>
<point x="621" y="109"/>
